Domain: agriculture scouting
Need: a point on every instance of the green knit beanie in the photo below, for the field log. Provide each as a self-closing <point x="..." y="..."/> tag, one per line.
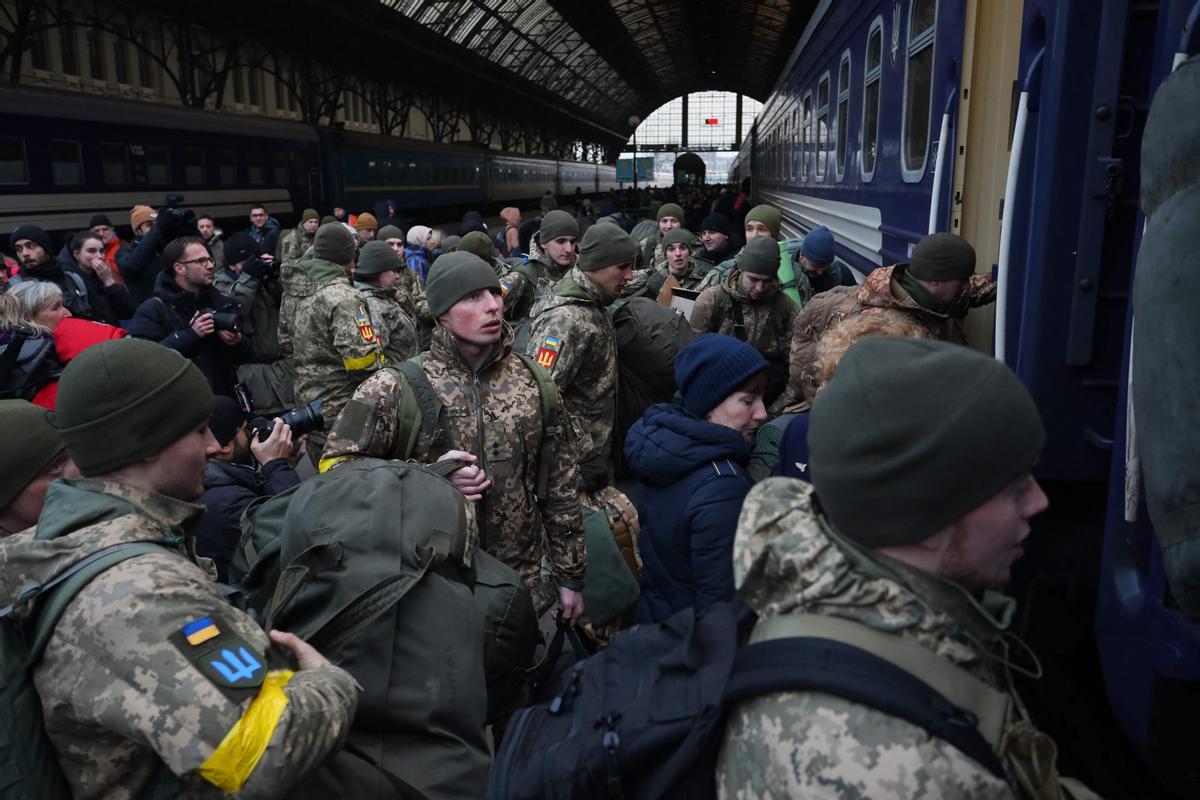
<point x="679" y="236"/>
<point x="477" y="243"/>
<point x="309" y="213"/>
<point x="334" y="242"/>
<point x="942" y="257"/>
<point x="911" y="435"/>
<point x="375" y="258"/>
<point x="556" y="224"/>
<point x="760" y="256"/>
<point x="389" y="232"/>
<point x="125" y="399"/>
<point x="29" y="444"/>
<point x="767" y="215"/>
<point x="670" y="210"/>
<point x="605" y="245"/>
<point x="453" y="277"/>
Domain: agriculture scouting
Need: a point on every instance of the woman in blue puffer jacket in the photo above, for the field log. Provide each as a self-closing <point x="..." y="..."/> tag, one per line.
<point x="689" y="457"/>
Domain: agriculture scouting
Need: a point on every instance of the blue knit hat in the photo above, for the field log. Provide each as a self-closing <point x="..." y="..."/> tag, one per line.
<point x="818" y="246"/>
<point x="713" y="367"/>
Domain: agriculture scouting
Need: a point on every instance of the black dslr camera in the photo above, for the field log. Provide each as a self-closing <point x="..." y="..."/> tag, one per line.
<point x="173" y="210"/>
<point x="301" y="420"/>
<point x="223" y="320"/>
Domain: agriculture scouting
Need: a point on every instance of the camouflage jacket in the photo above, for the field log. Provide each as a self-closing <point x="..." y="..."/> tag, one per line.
<point x="879" y="291"/>
<point x="768" y="322"/>
<point x="298" y="286"/>
<point x="812" y="744"/>
<point x="520" y="288"/>
<point x="651" y="254"/>
<point x="123" y="691"/>
<point x="335" y="347"/>
<point x="292" y="245"/>
<point x="396" y="329"/>
<point x="572" y="336"/>
<point x="496" y="415"/>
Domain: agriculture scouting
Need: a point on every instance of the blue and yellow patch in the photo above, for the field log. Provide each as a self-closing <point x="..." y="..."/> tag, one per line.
<point x="548" y="353"/>
<point x="200" y="631"/>
<point x="365" y="331"/>
<point x="505" y="286"/>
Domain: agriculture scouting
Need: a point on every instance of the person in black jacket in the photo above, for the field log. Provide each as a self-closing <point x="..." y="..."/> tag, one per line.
<point x="245" y="469"/>
<point x="32" y="247"/>
<point x="690" y="458"/>
<point x="180" y="315"/>
<point x="109" y="298"/>
<point x="141" y="261"/>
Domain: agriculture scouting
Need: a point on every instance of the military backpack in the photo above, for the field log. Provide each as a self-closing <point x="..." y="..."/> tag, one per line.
<point x="29" y="768"/>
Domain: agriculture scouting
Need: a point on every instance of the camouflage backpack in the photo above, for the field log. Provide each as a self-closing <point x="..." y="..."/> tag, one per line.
<point x="28" y="766"/>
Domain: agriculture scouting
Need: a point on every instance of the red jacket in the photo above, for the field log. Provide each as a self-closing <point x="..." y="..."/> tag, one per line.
<point x="71" y="337"/>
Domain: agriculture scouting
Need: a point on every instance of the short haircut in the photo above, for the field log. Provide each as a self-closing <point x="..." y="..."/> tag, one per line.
<point x="173" y="252"/>
<point x="78" y="239"/>
<point x="209" y="217"/>
<point x="256" y="206"/>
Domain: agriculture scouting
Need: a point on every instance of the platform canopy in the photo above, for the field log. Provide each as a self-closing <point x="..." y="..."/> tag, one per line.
<point x="608" y="60"/>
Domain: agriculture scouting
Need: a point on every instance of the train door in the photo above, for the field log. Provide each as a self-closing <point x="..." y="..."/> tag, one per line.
<point x="983" y="141"/>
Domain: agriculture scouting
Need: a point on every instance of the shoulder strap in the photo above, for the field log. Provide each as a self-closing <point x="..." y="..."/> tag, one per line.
<point x="739" y="321"/>
<point x="720" y="309"/>
<point x="427" y="412"/>
<point x="966" y="706"/>
<point x="78" y="281"/>
<point x="63" y="588"/>
<point x="548" y="392"/>
<point x="9" y="356"/>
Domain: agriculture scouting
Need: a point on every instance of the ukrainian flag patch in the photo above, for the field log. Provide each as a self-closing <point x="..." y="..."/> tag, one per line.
<point x="200" y="631"/>
<point x="548" y="354"/>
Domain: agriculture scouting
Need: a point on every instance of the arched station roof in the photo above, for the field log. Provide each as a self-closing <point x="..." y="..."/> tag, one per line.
<point x="606" y="60"/>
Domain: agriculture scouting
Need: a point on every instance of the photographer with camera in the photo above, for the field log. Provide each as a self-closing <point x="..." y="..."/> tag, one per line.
<point x="249" y="465"/>
<point x="140" y="263"/>
<point x="191" y="317"/>
<point x="251" y="279"/>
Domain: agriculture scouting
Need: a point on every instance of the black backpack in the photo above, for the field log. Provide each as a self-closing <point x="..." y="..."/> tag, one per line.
<point x="27" y="363"/>
<point x="645" y="717"/>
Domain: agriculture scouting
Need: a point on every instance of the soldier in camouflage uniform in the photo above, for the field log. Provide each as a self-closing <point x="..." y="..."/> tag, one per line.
<point x="492" y="418"/>
<point x="375" y="276"/>
<point x="152" y="684"/>
<point x="920" y="509"/>
<point x="334" y="347"/>
<point x="408" y="284"/>
<point x="750" y="306"/>
<point x="518" y="283"/>
<point x="651" y="250"/>
<point x="555" y="251"/>
<point x="938" y="288"/>
<point x="572" y="336"/>
<point x="32" y="455"/>
<point x="293" y="243"/>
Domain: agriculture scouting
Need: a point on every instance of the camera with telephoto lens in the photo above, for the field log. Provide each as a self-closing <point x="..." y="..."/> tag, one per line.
<point x="223" y="320"/>
<point x="301" y="420"/>
<point x="173" y="209"/>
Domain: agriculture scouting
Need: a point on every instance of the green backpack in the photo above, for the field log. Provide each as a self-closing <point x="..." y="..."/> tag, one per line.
<point x="421" y="410"/>
<point x="28" y="766"/>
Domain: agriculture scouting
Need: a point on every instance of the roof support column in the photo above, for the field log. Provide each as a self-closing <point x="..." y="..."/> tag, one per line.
<point x="683" y="124"/>
<point x="737" y="137"/>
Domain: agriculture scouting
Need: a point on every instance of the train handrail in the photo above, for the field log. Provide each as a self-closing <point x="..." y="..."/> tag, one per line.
<point x="1189" y="42"/>
<point x="1030" y="101"/>
<point x="935" y="202"/>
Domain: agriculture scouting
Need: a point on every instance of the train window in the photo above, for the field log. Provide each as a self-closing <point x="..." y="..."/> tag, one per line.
<point x="13" y="167"/>
<point x="872" y="77"/>
<point x="918" y="89"/>
<point x="843" y="115"/>
<point x="227" y="167"/>
<point x="822" y="125"/>
<point x="65" y="162"/>
<point x="158" y="164"/>
<point x="114" y="162"/>
<point x="806" y="138"/>
<point x="193" y="166"/>
<point x="254" y="166"/>
<point x="283" y="166"/>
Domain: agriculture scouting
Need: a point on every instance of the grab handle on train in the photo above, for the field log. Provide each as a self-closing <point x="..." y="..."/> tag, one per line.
<point x="1029" y="103"/>
<point x="1189" y="43"/>
<point x="935" y="202"/>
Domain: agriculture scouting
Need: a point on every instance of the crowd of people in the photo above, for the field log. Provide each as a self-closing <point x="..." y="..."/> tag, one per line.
<point x="190" y="375"/>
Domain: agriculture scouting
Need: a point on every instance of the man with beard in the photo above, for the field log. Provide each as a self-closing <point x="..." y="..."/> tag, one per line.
<point x="180" y="314"/>
<point x="31" y="245"/>
<point x="245" y="468"/>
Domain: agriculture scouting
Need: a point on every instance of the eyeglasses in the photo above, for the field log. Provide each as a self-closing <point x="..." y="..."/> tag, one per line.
<point x="203" y="261"/>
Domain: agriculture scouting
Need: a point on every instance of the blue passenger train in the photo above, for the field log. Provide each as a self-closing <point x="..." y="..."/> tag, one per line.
<point x="64" y="157"/>
<point x="1018" y="126"/>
